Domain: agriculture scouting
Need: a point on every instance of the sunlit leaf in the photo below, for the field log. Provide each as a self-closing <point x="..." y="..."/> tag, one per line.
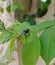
<point x="18" y="29"/>
<point x="47" y="40"/>
<point x="31" y="50"/>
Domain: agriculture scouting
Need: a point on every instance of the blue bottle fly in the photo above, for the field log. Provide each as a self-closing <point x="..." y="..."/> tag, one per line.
<point x="25" y="32"/>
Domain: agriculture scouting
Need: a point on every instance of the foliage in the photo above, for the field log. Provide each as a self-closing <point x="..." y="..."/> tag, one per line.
<point x="28" y="18"/>
<point x="47" y="40"/>
<point x="42" y="10"/>
<point x="33" y="46"/>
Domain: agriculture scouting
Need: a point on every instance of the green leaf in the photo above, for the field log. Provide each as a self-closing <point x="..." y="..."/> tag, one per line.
<point x="14" y="30"/>
<point x="31" y="50"/>
<point x="42" y="26"/>
<point x="47" y="40"/>
<point x="10" y="49"/>
<point x="44" y="5"/>
<point x="2" y="28"/>
<point x="18" y="29"/>
<point x="4" y="37"/>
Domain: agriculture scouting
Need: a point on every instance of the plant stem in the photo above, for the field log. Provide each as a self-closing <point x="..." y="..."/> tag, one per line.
<point x="20" y="46"/>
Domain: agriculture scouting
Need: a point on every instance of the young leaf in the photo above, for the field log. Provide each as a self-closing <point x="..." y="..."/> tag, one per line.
<point x="31" y="50"/>
<point x="18" y="29"/>
<point x="4" y="37"/>
<point x="47" y="40"/>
